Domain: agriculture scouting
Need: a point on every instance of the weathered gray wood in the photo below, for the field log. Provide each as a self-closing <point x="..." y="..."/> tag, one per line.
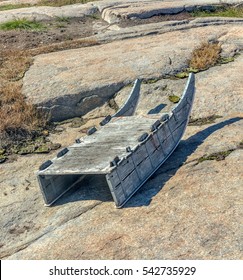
<point x="163" y="132"/>
<point x="98" y="149"/>
<point x="151" y="144"/>
<point x="125" y="168"/>
<point x="55" y="186"/>
<point x="139" y="154"/>
<point x="144" y="169"/>
<point x="165" y="143"/>
<point x="113" y="178"/>
<point x="155" y="139"/>
<point x="157" y="156"/>
<point x="93" y="154"/>
<point x="130" y="105"/>
<point x="117" y="194"/>
<point x="130" y="183"/>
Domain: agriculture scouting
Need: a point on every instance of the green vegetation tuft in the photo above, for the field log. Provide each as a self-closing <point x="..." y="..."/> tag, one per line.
<point x="174" y="98"/>
<point x="56" y="3"/>
<point x="13" y="6"/>
<point x="59" y="3"/>
<point x="22" y="23"/>
<point x="223" y="11"/>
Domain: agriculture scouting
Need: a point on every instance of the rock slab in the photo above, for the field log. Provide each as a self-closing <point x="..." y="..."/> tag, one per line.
<point x="71" y="83"/>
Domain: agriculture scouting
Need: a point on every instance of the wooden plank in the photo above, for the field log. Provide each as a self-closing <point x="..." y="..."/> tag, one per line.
<point x="182" y="114"/>
<point x="118" y="195"/>
<point x="131" y="103"/>
<point x="179" y="131"/>
<point x="130" y="183"/>
<point x="101" y="147"/>
<point x="168" y="144"/>
<point x="156" y="139"/>
<point x="157" y="156"/>
<point x="151" y="144"/>
<point x="139" y="154"/>
<point x="174" y="123"/>
<point x="113" y="178"/>
<point x="163" y="132"/>
<point x="144" y="169"/>
<point x="125" y="167"/>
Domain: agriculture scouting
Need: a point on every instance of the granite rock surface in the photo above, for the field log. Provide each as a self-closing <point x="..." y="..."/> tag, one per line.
<point x="191" y="208"/>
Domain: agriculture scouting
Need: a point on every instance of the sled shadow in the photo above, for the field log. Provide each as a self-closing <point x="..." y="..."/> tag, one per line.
<point x="144" y="195"/>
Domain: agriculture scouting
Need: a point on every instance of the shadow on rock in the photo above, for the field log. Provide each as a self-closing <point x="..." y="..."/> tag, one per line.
<point x="157" y="109"/>
<point x="186" y="147"/>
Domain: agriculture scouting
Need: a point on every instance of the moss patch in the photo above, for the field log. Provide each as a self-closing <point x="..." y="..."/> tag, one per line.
<point x="35" y="148"/>
<point x="174" y="98"/>
<point x="59" y="3"/>
<point x="224" y="60"/>
<point x="151" y="81"/>
<point x="33" y="145"/>
<point x="56" y="3"/>
<point x="215" y="156"/>
<point x="205" y="56"/>
<point x="203" y="121"/>
<point x="182" y="75"/>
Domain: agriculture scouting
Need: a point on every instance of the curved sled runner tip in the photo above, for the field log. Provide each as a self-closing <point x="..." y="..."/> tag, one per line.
<point x="130" y="105"/>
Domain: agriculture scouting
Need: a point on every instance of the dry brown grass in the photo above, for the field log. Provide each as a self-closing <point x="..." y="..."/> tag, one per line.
<point x="15" y="113"/>
<point x="17" y="116"/>
<point x="13" y="64"/>
<point x="205" y="56"/>
<point x="20" y="119"/>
